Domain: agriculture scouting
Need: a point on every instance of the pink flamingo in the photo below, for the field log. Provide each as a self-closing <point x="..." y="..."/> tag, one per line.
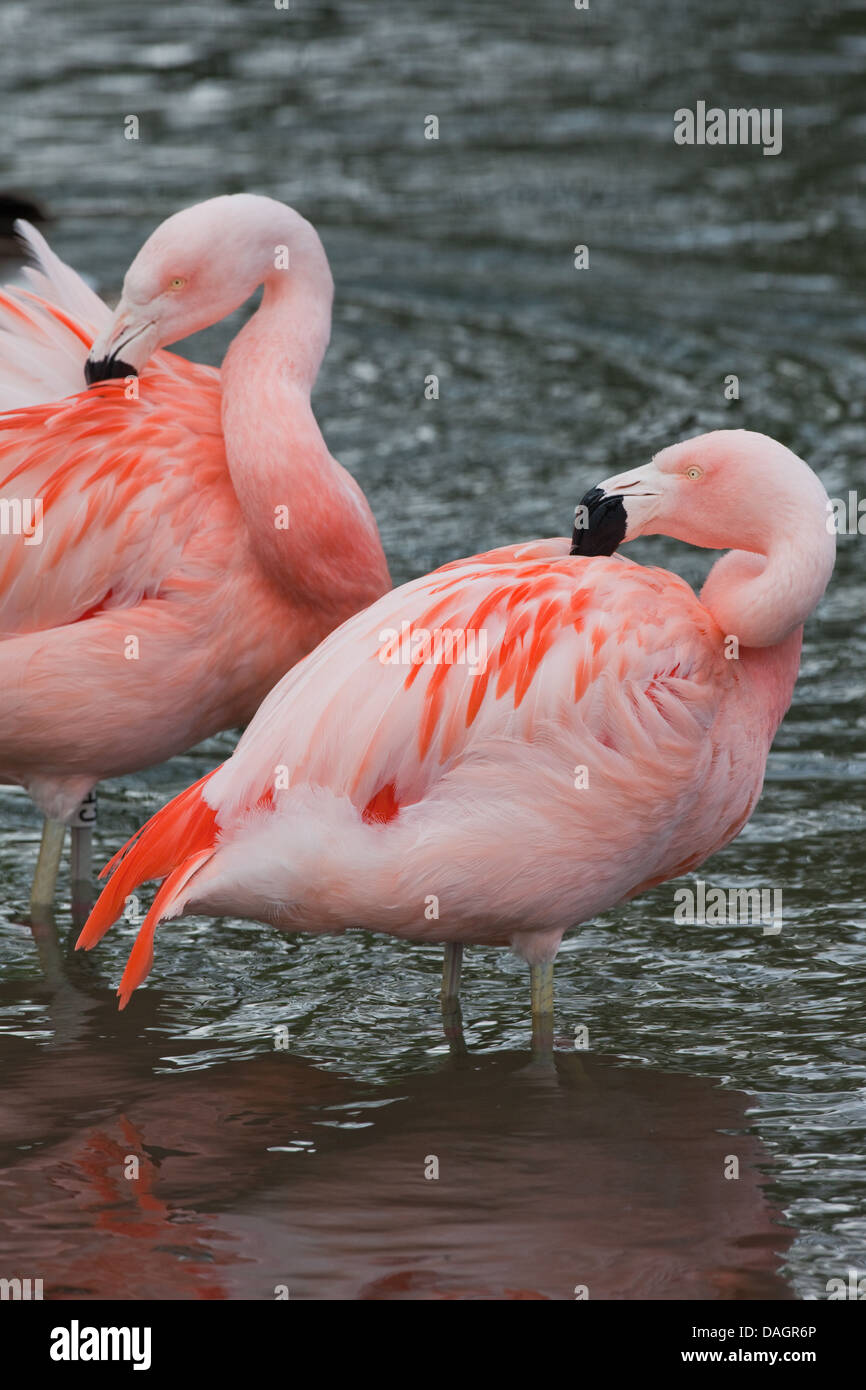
<point x="183" y="540"/>
<point x="611" y="734"/>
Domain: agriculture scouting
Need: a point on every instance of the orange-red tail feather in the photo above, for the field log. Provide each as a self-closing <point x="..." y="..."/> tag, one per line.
<point x="141" y="955"/>
<point x="186" y="826"/>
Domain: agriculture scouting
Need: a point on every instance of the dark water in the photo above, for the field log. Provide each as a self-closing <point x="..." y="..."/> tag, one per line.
<point x="305" y="1166"/>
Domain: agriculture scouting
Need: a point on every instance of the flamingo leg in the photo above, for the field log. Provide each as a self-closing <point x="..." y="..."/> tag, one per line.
<point x="81" y="858"/>
<point x="452" y="1019"/>
<point x="81" y="869"/>
<point x="47" y="866"/>
<point x="451" y="968"/>
<point x="81" y="853"/>
<point x="541" y="988"/>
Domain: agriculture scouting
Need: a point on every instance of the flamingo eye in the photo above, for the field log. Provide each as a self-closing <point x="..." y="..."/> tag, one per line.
<point x="694" y="472"/>
<point x="177" y="283"/>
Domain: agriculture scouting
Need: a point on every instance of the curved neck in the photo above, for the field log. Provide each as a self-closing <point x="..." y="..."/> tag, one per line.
<point x="773" y="671"/>
<point x="762" y="599"/>
<point x="309" y="523"/>
<point x="293" y="321"/>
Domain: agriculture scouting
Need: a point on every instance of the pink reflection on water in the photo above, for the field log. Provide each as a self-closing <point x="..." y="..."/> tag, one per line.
<point x="267" y="1173"/>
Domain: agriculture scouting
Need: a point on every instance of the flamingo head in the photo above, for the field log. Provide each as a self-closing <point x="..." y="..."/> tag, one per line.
<point x="196" y="268"/>
<point x="727" y="490"/>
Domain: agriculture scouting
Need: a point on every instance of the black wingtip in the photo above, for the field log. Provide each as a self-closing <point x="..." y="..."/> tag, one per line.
<point x="106" y="369"/>
<point x="605" y="527"/>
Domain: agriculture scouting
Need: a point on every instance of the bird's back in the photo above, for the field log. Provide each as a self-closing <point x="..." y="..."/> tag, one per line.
<point x="593" y="753"/>
<point x="592" y="745"/>
<point x="130" y="588"/>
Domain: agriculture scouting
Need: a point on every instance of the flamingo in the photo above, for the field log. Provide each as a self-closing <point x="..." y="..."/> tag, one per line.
<point x="195" y="536"/>
<point x="614" y="735"/>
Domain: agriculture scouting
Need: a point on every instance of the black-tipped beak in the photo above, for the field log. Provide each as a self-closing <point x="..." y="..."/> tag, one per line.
<point x="599" y="524"/>
<point x="106" y="368"/>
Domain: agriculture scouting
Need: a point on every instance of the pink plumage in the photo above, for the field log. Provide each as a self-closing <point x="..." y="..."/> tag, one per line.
<point x="197" y="536"/>
<point x="614" y="736"/>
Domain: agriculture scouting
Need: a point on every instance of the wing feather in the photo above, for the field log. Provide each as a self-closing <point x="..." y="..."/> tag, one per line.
<point x="625" y="652"/>
<point x="120" y="486"/>
<point x="46" y="328"/>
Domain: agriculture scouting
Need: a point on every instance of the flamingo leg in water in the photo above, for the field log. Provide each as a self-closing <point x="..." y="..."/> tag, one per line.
<point x="81" y="872"/>
<point x="541" y="987"/>
<point x="81" y="858"/>
<point x="47" y="865"/>
<point x="451" y="967"/>
<point x="452" y="1019"/>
